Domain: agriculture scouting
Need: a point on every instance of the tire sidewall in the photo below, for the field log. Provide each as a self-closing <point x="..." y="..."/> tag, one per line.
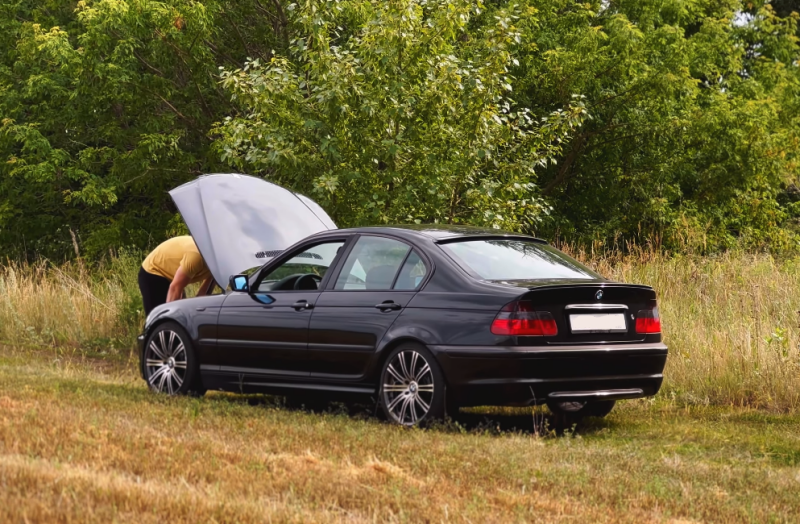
<point x="191" y="383"/>
<point x="437" y="410"/>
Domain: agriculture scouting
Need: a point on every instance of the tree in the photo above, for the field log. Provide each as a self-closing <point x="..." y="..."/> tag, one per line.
<point x="694" y="121"/>
<point x="398" y="111"/>
<point x="104" y="106"/>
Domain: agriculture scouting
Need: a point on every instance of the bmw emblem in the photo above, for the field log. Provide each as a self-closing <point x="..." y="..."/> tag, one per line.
<point x="599" y="295"/>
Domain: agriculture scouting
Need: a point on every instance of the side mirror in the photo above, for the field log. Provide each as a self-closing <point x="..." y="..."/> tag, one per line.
<point x="239" y="283"/>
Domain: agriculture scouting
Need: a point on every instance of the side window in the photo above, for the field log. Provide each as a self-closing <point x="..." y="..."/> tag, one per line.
<point x="412" y="273"/>
<point x="304" y="271"/>
<point x="372" y="264"/>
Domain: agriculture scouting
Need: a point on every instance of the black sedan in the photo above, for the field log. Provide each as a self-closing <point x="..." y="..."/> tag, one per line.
<point x="423" y="318"/>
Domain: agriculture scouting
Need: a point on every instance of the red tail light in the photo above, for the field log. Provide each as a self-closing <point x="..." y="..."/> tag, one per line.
<point x="519" y="319"/>
<point x="648" y="321"/>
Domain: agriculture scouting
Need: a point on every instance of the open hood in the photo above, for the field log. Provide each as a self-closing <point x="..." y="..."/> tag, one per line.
<point x="237" y="220"/>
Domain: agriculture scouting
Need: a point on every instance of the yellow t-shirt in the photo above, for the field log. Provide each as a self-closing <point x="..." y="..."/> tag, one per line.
<point x="177" y="252"/>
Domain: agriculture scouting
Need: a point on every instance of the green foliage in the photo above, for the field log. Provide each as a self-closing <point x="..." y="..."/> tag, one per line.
<point x="694" y="128"/>
<point x="104" y="106"/>
<point x="398" y="111"/>
<point x="673" y="122"/>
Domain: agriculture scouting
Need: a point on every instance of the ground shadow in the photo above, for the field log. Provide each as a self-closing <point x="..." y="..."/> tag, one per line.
<point x="481" y="420"/>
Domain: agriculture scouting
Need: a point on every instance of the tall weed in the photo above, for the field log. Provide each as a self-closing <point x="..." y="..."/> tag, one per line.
<point x="730" y="321"/>
<point x="72" y="305"/>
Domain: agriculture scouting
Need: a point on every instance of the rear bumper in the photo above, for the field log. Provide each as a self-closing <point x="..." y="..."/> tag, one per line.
<point x="499" y="375"/>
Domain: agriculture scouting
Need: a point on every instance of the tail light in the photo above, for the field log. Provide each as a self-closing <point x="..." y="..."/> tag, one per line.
<point x="519" y="319"/>
<point x="648" y="321"/>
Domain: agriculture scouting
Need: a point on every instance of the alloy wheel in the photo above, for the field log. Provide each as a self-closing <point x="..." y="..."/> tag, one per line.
<point x="408" y="388"/>
<point x="166" y="362"/>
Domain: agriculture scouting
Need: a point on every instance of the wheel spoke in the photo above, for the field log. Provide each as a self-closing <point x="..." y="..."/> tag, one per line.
<point x="177" y="378"/>
<point x="394" y="388"/>
<point x="402" y="416"/>
<point x="151" y="362"/>
<point x="168" y="380"/>
<point x="157" y="374"/>
<point x="403" y="367"/>
<point x="180" y="364"/>
<point x="154" y="347"/>
<point x="164" y="348"/>
<point x="425" y="405"/>
<point x="412" y="404"/>
<point x="178" y="350"/>
<point x="425" y="388"/>
<point x="393" y="372"/>
<point x="414" y="357"/>
<point x="395" y="401"/>
<point x="172" y="336"/>
<point x="422" y="372"/>
<point x="162" y="378"/>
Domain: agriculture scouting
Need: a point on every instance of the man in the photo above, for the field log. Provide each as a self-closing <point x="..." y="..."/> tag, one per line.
<point x="166" y="272"/>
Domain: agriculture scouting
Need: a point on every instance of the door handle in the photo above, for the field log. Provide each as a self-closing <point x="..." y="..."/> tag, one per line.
<point x="388" y="306"/>
<point x="302" y="304"/>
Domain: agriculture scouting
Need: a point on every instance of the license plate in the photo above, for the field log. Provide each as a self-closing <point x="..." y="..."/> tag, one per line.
<point x="598" y="323"/>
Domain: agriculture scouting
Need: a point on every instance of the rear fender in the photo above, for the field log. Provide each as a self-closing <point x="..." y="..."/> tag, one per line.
<point x="396" y="336"/>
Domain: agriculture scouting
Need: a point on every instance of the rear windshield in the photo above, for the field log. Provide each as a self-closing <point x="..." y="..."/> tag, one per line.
<point x="516" y="260"/>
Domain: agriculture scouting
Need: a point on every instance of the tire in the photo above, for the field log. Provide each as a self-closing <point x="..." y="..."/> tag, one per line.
<point x="566" y="414"/>
<point x="169" y="362"/>
<point x="412" y="387"/>
<point x="599" y="408"/>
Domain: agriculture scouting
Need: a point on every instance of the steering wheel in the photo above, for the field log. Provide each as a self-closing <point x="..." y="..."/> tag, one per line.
<point x="313" y="276"/>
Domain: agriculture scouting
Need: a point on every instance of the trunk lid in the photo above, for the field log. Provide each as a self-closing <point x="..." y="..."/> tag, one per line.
<point x="238" y="221"/>
<point x="565" y="300"/>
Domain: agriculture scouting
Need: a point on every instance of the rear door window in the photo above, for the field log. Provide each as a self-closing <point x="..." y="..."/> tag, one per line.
<point x="513" y="259"/>
<point x="372" y="264"/>
<point x="412" y="273"/>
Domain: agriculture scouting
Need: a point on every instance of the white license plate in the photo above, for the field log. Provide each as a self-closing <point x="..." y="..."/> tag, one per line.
<point x="598" y="323"/>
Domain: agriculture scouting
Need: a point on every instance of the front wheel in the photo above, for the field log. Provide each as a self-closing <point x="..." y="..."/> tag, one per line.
<point x="169" y="362"/>
<point x="412" y="386"/>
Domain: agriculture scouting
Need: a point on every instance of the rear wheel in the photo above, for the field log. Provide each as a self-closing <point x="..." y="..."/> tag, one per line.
<point x="412" y="387"/>
<point x="169" y="362"/>
<point x="567" y="413"/>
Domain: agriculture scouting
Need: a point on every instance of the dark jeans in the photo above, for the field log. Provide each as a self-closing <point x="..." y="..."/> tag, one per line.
<point x="154" y="290"/>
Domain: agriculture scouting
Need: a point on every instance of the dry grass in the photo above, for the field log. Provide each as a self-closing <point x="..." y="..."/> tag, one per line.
<point x="86" y="443"/>
<point x="70" y="306"/>
<point x="731" y="322"/>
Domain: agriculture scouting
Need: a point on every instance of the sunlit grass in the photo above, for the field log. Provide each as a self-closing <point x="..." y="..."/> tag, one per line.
<point x="82" y="440"/>
<point x="731" y="321"/>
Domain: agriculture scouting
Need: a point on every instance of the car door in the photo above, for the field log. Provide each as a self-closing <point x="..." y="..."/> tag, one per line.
<point x="378" y="278"/>
<point x="265" y="332"/>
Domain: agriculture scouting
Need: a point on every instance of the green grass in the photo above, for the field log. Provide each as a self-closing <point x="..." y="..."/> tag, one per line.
<point x="83" y="440"/>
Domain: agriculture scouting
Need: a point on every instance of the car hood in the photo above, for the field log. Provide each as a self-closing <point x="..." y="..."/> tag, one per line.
<point x="237" y="220"/>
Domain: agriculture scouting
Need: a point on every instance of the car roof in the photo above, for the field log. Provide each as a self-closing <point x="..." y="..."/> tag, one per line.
<point x="437" y="232"/>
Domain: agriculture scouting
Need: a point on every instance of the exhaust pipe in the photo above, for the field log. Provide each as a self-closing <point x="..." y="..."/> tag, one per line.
<point x="603" y="394"/>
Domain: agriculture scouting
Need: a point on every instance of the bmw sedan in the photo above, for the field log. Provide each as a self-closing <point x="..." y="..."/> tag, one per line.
<point x="425" y="319"/>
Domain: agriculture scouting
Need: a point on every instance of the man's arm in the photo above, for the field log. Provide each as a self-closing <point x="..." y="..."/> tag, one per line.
<point x="179" y="283"/>
<point x="205" y="286"/>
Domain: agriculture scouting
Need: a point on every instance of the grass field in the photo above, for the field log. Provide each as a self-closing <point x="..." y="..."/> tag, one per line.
<point x="82" y="440"/>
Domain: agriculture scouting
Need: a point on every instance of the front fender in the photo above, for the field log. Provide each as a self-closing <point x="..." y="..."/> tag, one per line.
<point x="191" y="314"/>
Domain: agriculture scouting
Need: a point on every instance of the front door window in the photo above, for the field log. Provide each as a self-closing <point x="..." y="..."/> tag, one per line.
<point x="304" y="271"/>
